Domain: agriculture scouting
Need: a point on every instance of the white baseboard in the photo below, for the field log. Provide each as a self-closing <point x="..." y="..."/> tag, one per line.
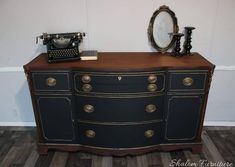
<point x="219" y="123"/>
<point x="206" y="123"/>
<point x="17" y="124"/>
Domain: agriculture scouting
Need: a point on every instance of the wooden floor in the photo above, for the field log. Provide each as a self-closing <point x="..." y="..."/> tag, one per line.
<point x="18" y="148"/>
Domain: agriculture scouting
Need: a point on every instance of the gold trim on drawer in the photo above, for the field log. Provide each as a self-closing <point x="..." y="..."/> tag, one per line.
<point x="149" y="133"/>
<point x="88" y="108"/>
<point x="152" y="87"/>
<point x="150" y="108"/>
<point x="86" y="79"/>
<point x="90" y="133"/>
<point x="86" y="87"/>
<point x="51" y="81"/>
<point x="120" y="123"/>
<point x="152" y="78"/>
<point x="188" y="81"/>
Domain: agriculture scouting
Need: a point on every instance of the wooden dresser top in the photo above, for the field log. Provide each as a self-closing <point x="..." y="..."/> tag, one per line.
<point x="128" y="61"/>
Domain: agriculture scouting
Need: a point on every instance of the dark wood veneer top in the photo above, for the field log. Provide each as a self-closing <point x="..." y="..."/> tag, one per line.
<point x="128" y="61"/>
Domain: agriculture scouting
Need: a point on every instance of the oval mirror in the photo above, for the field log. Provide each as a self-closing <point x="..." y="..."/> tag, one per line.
<point x="162" y="24"/>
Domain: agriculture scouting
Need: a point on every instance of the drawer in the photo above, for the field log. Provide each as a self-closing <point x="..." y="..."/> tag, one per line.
<point x="120" y="109"/>
<point x="119" y="136"/>
<point x="187" y="81"/>
<point x="51" y="81"/>
<point x="119" y="82"/>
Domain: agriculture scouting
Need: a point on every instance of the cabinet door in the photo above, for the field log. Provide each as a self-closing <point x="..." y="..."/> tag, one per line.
<point x="182" y="117"/>
<point x="56" y="117"/>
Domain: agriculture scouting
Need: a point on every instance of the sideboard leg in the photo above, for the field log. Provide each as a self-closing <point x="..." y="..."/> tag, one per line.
<point x="42" y="150"/>
<point x="197" y="149"/>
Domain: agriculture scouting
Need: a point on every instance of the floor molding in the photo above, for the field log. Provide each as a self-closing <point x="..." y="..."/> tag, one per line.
<point x="206" y="123"/>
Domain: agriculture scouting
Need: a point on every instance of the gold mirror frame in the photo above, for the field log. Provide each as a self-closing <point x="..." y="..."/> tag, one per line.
<point x="151" y="24"/>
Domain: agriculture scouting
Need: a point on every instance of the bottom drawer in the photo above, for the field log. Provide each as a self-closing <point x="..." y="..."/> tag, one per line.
<point x="119" y="135"/>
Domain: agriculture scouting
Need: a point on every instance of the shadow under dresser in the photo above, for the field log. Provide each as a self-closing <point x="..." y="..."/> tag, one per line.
<point x="120" y="104"/>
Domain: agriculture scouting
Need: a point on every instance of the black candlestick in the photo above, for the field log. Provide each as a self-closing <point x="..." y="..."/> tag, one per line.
<point x="188" y="39"/>
<point x="176" y="50"/>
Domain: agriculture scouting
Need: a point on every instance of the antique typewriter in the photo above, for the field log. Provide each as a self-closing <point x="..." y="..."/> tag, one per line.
<point x="62" y="46"/>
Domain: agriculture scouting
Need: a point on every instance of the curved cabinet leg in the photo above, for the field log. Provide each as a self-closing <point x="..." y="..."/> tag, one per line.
<point x="197" y="149"/>
<point x="42" y="150"/>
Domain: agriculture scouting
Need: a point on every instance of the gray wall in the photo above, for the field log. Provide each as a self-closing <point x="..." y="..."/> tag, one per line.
<point x="113" y="26"/>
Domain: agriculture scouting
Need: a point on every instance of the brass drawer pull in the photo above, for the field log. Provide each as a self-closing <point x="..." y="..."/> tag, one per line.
<point x="86" y="87"/>
<point x="152" y="78"/>
<point x="188" y="81"/>
<point x="88" y="108"/>
<point x="90" y="133"/>
<point x="86" y="79"/>
<point x="152" y="87"/>
<point x="151" y="108"/>
<point x="51" y="81"/>
<point x="149" y="133"/>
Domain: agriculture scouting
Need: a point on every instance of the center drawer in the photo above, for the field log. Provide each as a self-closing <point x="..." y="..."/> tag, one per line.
<point x="119" y="136"/>
<point x="119" y="109"/>
<point x="119" y="82"/>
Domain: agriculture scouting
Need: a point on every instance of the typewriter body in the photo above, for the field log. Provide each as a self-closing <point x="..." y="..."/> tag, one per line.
<point x="62" y="46"/>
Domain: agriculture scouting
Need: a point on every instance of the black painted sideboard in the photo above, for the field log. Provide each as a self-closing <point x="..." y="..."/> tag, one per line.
<point x="122" y="103"/>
